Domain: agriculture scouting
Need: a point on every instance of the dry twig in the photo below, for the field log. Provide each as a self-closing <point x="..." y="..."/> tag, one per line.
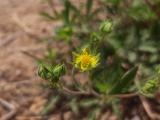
<point x="93" y="93"/>
<point x="125" y="95"/>
<point x="78" y="93"/>
<point x="9" y="39"/>
<point x="30" y="55"/>
<point x="148" y="110"/>
<point x="8" y="106"/>
<point x="144" y="101"/>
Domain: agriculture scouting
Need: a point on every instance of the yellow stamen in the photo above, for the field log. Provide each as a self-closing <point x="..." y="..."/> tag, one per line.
<point x="85" y="61"/>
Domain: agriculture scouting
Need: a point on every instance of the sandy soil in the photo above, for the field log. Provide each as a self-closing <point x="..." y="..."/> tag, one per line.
<point x="20" y="26"/>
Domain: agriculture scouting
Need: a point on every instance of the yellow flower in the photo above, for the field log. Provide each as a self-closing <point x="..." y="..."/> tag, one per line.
<point x="85" y="60"/>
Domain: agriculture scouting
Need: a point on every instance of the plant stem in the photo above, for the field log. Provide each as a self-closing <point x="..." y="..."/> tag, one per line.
<point x="95" y="94"/>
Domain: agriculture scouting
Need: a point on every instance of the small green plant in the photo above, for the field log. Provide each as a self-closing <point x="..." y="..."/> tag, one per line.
<point x="117" y="53"/>
<point x="52" y="73"/>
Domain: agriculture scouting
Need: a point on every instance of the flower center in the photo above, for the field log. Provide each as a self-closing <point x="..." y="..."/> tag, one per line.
<point x="86" y="59"/>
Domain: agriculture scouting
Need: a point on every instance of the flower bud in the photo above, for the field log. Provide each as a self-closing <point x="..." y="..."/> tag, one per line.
<point x="106" y="26"/>
<point x="51" y="73"/>
<point x="150" y="87"/>
<point x="44" y="72"/>
<point x="59" y="70"/>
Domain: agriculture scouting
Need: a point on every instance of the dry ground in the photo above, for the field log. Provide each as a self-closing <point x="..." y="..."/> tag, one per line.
<point x="20" y="26"/>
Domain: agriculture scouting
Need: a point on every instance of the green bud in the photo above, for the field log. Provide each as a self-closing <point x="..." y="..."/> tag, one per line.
<point x="51" y="73"/>
<point x="44" y="72"/>
<point x="59" y="70"/>
<point x="106" y="26"/>
<point x="150" y="87"/>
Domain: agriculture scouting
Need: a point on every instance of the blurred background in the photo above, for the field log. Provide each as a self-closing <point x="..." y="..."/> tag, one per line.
<point x="20" y="28"/>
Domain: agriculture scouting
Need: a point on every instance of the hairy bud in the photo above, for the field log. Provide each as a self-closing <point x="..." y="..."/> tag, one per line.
<point x="106" y="26"/>
<point x="51" y="73"/>
<point x="150" y="87"/>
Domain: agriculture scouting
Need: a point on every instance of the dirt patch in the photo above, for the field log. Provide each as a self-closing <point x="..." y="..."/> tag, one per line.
<point x="20" y="26"/>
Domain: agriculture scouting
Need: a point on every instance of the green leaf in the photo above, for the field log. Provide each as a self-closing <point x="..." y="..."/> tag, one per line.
<point x="102" y="87"/>
<point x="89" y="5"/>
<point x="74" y="106"/>
<point x="51" y="55"/>
<point x="105" y="76"/>
<point x="66" y="11"/>
<point x="50" y="105"/>
<point x="148" y="48"/>
<point x="116" y="107"/>
<point x="124" y="82"/>
<point x="92" y="114"/>
<point x="64" y="33"/>
<point x="88" y="102"/>
<point x="75" y="10"/>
